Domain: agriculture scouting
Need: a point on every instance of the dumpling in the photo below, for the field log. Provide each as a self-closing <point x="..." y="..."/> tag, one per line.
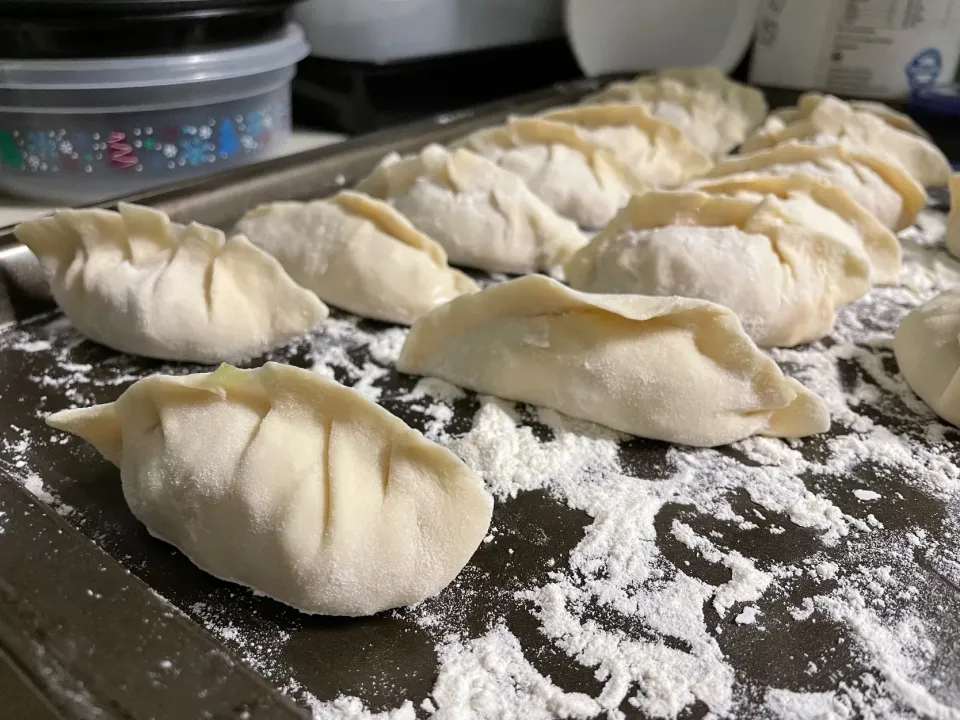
<point x="715" y="113"/>
<point x="359" y="254"/>
<point x="884" y="189"/>
<point x="483" y="216"/>
<point x="824" y="207"/>
<point x="831" y="120"/>
<point x="672" y="369"/>
<point x="784" y="281"/>
<point x="284" y="481"/>
<point x="654" y="149"/>
<point x="138" y="283"/>
<point x="808" y="101"/>
<point x="579" y="178"/>
<point x="953" y="220"/>
<point x="927" y="348"/>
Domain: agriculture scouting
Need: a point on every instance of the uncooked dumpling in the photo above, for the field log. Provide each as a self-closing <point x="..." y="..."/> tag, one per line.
<point x="672" y="369"/>
<point x="715" y="113"/>
<point x="578" y="177"/>
<point x="484" y="216"/>
<point x="824" y="207"/>
<point x="137" y="283"/>
<point x="833" y="121"/>
<point x="359" y="254"/>
<point x="654" y="149"/>
<point x="927" y="348"/>
<point x="808" y="101"/>
<point x="284" y="481"/>
<point x="783" y="280"/>
<point x="953" y="220"/>
<point x="884" y="189"/>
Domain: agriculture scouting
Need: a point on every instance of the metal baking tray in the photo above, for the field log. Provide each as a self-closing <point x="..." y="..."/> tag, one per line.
<point x="110" y="623"/>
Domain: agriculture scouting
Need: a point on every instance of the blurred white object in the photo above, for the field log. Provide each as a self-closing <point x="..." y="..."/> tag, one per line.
<point x="382" y="31"/>
<point x="870" y="48"/>
<point x="632" y="35"/>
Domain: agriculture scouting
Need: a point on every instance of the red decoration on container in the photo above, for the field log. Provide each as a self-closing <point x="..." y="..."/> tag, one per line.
<point x="121" y="153"/>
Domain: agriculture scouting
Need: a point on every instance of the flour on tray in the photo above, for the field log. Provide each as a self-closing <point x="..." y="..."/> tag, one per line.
<point x="833" y="555"/>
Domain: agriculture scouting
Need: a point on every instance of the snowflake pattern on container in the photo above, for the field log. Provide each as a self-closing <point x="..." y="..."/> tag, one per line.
<point x="196" y="150"/>
<point x="161" y="149"/>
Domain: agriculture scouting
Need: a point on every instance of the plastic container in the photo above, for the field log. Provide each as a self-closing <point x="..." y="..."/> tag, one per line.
<point x="382" y="31"/>
<point x="867" y="48"/>
<point x="80" y="131"/>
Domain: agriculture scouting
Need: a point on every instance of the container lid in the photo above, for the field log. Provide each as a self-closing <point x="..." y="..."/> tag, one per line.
<point x="54" y="9"/>
<point x="279" y="51"/>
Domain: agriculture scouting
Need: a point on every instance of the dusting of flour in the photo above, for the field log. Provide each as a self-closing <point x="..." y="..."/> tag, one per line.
<point x="782" y="579"/>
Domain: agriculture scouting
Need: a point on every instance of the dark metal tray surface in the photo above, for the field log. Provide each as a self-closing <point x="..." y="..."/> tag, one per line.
<point x="810" y="577"/>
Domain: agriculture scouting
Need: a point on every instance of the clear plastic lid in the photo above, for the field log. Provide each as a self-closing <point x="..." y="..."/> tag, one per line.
<point x="283" y="50"/>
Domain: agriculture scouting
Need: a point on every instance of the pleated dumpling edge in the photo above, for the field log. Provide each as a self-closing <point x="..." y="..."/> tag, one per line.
<point x="673" y="369"/>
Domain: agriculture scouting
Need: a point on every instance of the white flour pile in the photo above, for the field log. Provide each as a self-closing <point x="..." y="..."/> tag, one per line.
<point x="809" y="579"/>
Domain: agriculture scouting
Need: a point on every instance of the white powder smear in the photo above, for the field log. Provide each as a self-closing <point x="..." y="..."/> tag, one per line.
<point x="786" y="579"/>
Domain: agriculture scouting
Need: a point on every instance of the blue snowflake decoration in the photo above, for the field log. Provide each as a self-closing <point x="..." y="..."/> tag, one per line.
<point x="42" y="144"/>
<point x="255" y="124"/>
<point x="195" y="150"/>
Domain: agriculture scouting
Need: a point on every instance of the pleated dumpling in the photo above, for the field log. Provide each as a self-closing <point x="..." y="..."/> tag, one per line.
<point x="580" y="178"/>
<point x="673" y="369"/>
<point x="884" y="189"/>
<point x="483" y="216"/>
<point x="927" y="348"/>
<point x="284" y="481"/>
<point x="783" y="280"/>
<point x="136" y="282"/>
<point x="654" y="149"/>
<point x="821" y="206"/>
<point x="715" y="113"/>
<point x="831" y="120"/>
<point x="809" y="100"/>
<point x="359" y="254"/>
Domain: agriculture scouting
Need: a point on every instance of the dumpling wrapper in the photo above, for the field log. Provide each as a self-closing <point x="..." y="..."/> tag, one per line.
<point x="672" y="369"/>
<point x="485" y="217"/>
<point x="824" y="207"/>
<point x="578" y="177"/>
<point x="953" y="219"/>
<point x="832" y="120"/>
<point x="927" y="348"/>
<point x="884" y="189"/>
<point x="715" y="113"/>
<point x="783" y="280"/>
<point x="289" y="483"/>
<point x="138" y="283"/>
<point x="655" y="150"/>
<point x="359" y="254"/>
<point x="809" y="100"/>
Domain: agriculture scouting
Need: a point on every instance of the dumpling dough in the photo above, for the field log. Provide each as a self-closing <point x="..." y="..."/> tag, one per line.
<point x="784" y="281"/>
<point x="359" y="254"/>
<point x="884" y="189"/>
<point x="927" y="348"/>
<point x="484" y="216"/>
<point x="953" y="220"/>
<point x="808" y="101"/>
<point x="715" y="113"/>
<point x="831" y="120"/>
<point x="140" y="284"/>
<point x="824" y="207"/>
<point x="580" y="178"/>
<point x="284" y="481"/>
<point x="671" y="369"/>
<point x="654" y="149"/>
